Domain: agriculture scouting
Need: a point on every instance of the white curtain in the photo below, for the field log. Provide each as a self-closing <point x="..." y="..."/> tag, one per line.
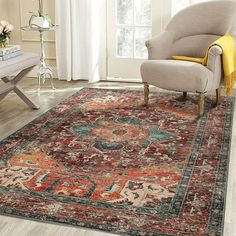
<point x="80" y="39"/>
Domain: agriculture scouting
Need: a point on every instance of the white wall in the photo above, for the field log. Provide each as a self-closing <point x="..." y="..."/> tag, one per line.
<point x="3" y="10"/>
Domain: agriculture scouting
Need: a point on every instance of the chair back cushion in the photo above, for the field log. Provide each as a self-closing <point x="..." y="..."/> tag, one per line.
<point x="196" y="27"/>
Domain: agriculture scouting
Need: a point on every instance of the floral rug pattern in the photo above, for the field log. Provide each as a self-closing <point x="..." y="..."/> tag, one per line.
<point x="102" y="160"/>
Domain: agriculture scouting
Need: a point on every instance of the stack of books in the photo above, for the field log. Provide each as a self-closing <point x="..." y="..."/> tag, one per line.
<point x="9" y="52"/>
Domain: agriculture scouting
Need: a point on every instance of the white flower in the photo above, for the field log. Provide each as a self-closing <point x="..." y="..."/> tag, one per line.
<point x="1" y="29"/>
<point x="9" y="28"/>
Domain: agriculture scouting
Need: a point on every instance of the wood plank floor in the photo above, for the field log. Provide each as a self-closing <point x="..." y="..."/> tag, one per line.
<point x="14" y="114"/>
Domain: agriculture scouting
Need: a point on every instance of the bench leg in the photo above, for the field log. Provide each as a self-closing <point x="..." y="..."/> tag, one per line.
<point x="17" y="89"/>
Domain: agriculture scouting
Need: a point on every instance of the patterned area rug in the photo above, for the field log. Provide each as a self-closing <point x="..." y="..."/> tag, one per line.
<point x="101" y="160"/>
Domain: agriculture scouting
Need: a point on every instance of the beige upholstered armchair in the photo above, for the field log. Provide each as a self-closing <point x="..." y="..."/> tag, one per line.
<point x="189" y="33"/>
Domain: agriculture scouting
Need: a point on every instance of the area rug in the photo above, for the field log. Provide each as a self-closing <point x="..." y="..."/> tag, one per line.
<point x="102" y="160"/>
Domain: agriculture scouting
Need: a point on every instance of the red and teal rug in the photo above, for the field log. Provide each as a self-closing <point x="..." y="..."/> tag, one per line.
<point x="101" y="160"/>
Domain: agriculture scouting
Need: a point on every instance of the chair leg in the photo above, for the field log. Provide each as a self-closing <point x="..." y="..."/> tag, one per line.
<point x="201" y="103"/>
<point x="146" y="94"/>
<point x="184" y="95"/>
<point x="218" y="96"/>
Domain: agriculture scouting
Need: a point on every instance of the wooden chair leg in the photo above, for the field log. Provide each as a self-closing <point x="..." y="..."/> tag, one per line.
<point x="146" y="94"/>
<point x="218" y="96"/>
<point x="201" y="103"/>
<point x="184" y="95"/>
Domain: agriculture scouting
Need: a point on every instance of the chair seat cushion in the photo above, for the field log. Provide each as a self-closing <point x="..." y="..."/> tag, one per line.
<point x="177" y="75"/>
<point x="26" y="60"/>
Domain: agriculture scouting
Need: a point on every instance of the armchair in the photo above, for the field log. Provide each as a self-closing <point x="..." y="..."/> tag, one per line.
<point x="189" y="33"/>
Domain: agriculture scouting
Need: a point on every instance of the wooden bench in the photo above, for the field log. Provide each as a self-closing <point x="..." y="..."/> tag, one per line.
<point x="22" y="65"/>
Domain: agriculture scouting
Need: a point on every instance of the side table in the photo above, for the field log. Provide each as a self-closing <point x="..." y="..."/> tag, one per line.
<point x="44" y="71"/>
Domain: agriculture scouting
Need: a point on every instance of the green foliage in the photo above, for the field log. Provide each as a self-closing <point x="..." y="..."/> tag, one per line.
<point x="4" y="36"/>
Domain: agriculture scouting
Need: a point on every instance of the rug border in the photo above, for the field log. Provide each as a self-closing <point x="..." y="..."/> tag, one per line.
<point x="231" y="100"/>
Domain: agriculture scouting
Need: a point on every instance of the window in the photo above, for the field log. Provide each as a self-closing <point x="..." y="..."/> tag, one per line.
<point x="133" y="28"/>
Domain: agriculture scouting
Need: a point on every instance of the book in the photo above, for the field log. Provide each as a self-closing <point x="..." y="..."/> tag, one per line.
<point x="9" y="49"/>
<point x="11" y="55"/>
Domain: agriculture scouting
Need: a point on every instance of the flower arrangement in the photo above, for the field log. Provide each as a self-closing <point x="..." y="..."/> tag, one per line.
<point x="5" y="30"/>
<point x="40" y="20"/>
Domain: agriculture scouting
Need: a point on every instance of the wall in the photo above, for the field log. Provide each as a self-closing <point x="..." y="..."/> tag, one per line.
<point x="18" y="15"/>
<point x="3" y="10"/>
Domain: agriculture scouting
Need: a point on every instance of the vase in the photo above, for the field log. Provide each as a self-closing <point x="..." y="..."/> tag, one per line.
<point x="3" y="44"/>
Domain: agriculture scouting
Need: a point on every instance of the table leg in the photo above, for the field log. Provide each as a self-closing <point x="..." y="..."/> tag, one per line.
<point x="44" y="71"/>
<point x="11" y="85"/>
<point x="18" y="90"/>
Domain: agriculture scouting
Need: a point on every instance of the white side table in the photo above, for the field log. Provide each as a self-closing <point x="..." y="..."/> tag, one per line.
<point x="44" y="71"/>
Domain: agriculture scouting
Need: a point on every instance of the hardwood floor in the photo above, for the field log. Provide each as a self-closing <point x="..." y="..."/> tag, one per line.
<point x="14" y="114"/>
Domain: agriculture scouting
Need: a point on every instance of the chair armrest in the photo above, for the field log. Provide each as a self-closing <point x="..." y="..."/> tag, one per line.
<point x="213" y="55"/>
<point x="160" y="47"/>
<point x="214" y="64"/>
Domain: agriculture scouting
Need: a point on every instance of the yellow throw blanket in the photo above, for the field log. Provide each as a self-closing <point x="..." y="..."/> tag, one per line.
<point x="227" y="44"/>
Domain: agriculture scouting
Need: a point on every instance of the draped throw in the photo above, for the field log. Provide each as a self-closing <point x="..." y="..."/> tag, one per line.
<point x="227" y="44"/>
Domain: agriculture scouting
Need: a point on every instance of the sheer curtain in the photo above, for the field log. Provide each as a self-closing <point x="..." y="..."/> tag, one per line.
<point x="80" y="43"/>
